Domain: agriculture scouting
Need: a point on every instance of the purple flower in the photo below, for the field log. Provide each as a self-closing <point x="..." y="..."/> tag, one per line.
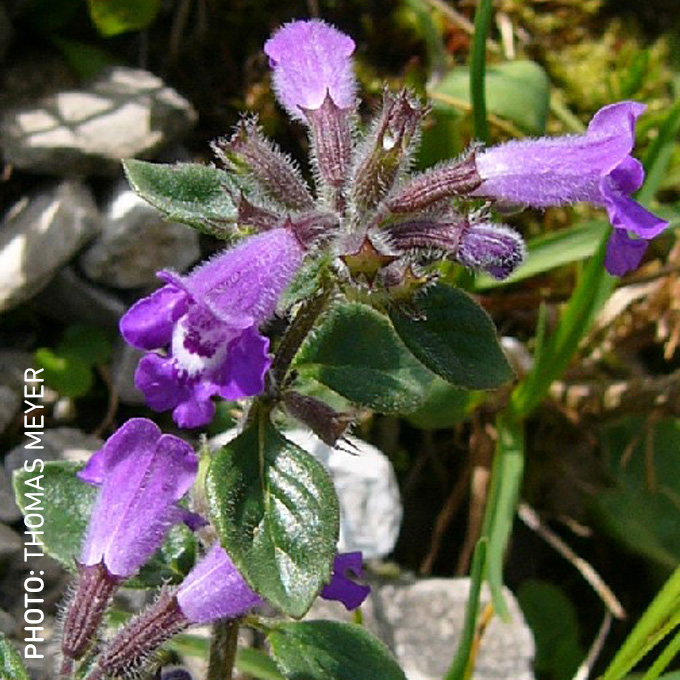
<point x="311" y="59"/>
<point x="142" y="473"/>
<point x="596" y="167"/>
<point x="208" y="324"/>
<point x="215" y="589"/>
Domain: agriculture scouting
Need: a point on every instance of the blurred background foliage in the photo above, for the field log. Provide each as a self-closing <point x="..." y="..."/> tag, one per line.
<point x="602" y="465"/>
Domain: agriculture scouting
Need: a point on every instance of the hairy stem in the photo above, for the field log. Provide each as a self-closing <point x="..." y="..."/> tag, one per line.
<point x="223" y="649"/>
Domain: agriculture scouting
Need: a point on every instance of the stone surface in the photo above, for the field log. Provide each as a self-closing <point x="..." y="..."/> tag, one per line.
<point x="10" y="401"/>
<point x="421" y="622"/>
<point x="39" y="235"/>
<point x="10" y="544"/>
<point x="71" y="298"/>
<point x="135" y="243"/>
<point x="123" y="367"/>
<point x="13" y="363"/>
<point x="123" y="113"/>
<point x="61" y="443"/>
<point x="370" y="504"/>
<point x="9" y="510"/>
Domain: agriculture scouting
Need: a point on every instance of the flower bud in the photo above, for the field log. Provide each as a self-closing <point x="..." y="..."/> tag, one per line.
<point x="494" y="248"/>
<point x="331" y="137"/>
<point x="457" y="178"/>
<point x="444" y="234"/>
<point x="323" y="420"/>
<point x="251" y="153"/>
<point x="387" y="150"/>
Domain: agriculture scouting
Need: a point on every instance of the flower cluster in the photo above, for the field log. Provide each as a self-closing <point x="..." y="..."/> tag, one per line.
<point x="142" y="476"/>
<point x="381" y="225"/>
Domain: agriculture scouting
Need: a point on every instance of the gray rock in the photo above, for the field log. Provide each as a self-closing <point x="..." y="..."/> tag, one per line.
<point x="421" y="621"/>
<point x="13" y="364"/>
<point x="123" y="367"/>
<point x="9" y="510"/>
<point x="10" y="544"/>
<point x="123" y="113"/>
<point x="39" y="235"/>
<point x="10" y="401"/>
<point x="71" y="298"/>
<point x="61" y="443"/>
<point x="8" y="626"/>
<point x="135" y="243"/>
<point x="370" y="504"/>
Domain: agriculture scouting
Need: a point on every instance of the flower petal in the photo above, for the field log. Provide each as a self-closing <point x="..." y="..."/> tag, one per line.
<point x="626" y="213"/>
<point x="214" y="589"/>
<point x="148" y="323"/>
<point x="246" y="364"/>
<point x="341" y="587"/>
<point x="624" y="254"/>
<point x="310" y="59"/>
<point x="157" y="379"/>
<point x="146" y="474"/>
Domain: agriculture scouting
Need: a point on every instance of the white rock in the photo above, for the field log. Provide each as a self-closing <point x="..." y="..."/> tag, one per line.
<point x="421" y="621"/>
<point x="370" y="504"/>
<point x="123" y="113"/>
<point x="135" y="243"/>
<point x="39" y="235"/>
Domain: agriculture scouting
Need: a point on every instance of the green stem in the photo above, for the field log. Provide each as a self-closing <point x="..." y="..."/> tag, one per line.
<point x="223" y="650"/>
<point x="478" y="69"/>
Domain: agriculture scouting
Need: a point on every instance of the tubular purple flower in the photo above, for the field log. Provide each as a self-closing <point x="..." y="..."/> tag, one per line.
<point x="207" y="322"/>
<point x="311" y="59"/>
<point x="596" y="167"/>
<point x="142" y="473"/>
<point x="215" y="589"/>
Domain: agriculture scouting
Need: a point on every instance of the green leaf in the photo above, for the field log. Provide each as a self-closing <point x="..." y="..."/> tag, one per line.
<point x="553" y="620"/>
<point x="68" y="375"/>
<point x="357" y="353"/>
<point x="445" y="406"/>
<point x="642" y="508"/>
<point x="329" y="650"/>
<point x="456" y="339"/>
<point x="256" y="664"/>
<point x="502" y="83"/>
<point x="113" y="17"/>
<point x="66" y="504"/>
<point x="63" y="500"/>
<point x="88" y="343"/>
<point x="552" y="250"/>
<point x="11" y="666"/>
<point x="86" y="59"/>
<point x="197" y="195"/>
<point x="276" y="513"/>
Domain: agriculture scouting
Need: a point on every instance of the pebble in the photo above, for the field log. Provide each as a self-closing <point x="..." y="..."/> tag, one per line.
<point x="135" y="243"/>
<point x="39" y="235"/>
<point x="123" y="113"/>
<point x="421" y="621"/>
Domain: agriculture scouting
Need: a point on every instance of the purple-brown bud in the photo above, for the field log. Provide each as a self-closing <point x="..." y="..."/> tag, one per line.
<point x="138" y="639"/>
<point x="94" y="589"/>
<point x="387" y="150"/>
<point x="457" y="178"/>
<point x="314" y="228"/>
<point x="331" y="138"/>
<point x="494" y="248"/>
<point x="254" y="216"/>
<point x="323" y="420"/>
<point x="444" y="234"/>
<point x="249" y="152"/>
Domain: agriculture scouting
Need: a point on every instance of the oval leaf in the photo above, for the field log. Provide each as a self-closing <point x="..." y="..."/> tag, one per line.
<point x="329" y="650"/>
<point x="11" y="666"/>
<point x="456" y="339"/>
<point x="276" y="513"/>
<point x="66" y="504"/>
<point x="357" y="353"/>
<point x="197" y="195"/>
<point x="502" y="83"/>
